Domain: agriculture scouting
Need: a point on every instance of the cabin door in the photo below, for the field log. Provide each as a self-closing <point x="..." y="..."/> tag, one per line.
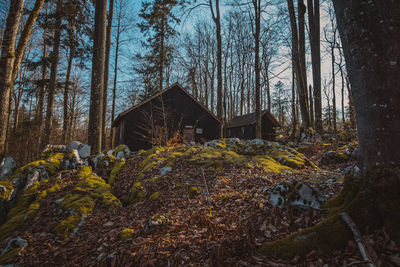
<point x="188" y="134"/>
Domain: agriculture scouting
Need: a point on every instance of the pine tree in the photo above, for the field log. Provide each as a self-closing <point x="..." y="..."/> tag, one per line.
<point x="157" y="26"/>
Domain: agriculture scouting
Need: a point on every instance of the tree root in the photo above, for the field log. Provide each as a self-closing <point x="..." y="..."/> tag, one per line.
<point x="372" y="203"/>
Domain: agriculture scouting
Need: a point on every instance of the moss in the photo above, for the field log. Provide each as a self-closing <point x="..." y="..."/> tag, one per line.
<point x="214" y="166"/>
<point x="149" y="163"/>
<point x="135" y="194"/>
<point x="190" y="150"/>
<point x="115" y="170"/>
<point x="329" y="235"/>
<point x="67" y="226"/>
<point x="9" y="186"/>
<point x="52" y="164"/>
<point x="193" y="191"/>
<point x="268" y="164"/>
<point x="10" y="256"/>
<point x="79" y="203"/>
<point x="119" y="149"/>
<point x="178" y="185"/>
<point x="155" y="196"/>
<point x="126" y="234"/>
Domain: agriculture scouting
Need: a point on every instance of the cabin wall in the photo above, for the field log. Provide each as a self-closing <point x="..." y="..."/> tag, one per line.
<point x="174" y="109"/>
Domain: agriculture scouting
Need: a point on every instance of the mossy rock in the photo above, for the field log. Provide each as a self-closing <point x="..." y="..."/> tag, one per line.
<point x="193" y="191"/>
<point x="126" y="234"/>
<point x="155" y="196"/>
<point x="118" y="166"/>
<point x="11" y="256"/>
<point x="9" y="186"/>
<point x="268" y="164"/>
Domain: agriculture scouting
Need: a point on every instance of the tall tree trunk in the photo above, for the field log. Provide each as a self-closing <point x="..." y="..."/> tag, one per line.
<point x="53" y="74"/>
<point x="257" y="15"/>
<point x="314" y="35"/>
<point x="97" y="83"/>
<point x="42" y="89"/>
<point x="310" y="96"/>
<point x="217" y="20"/>
<point x="67" y="81"/>
<point x="333" y="89"/>
<point x="115" y="76"/>
<point x="6" y="65"/>
<point x="302" y="56"/>
<point x="299" y="74"/>
<point x="106" y="72"/>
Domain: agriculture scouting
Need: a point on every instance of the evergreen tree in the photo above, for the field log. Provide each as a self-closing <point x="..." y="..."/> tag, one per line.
<point x="157" y="26"/>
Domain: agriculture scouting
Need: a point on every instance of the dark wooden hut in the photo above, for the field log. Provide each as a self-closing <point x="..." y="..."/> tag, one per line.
<point x="170" y="113"/>
<point x="244" y="127"/>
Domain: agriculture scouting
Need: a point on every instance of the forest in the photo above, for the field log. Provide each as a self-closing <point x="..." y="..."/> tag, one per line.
<point x="199" y="132"/>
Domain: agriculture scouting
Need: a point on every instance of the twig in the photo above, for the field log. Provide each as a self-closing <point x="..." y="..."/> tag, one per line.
<point x="207" y="193"/>
<point x="357" y="237"/>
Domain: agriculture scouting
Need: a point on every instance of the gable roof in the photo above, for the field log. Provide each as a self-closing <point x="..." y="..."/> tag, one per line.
<point x="249" y="119"/>
<point x="175" y="85"/>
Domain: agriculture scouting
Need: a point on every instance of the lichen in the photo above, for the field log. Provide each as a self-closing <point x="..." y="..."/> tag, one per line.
<point x="193" y="191"/>
<point x="115" y="170"/>
<point x="9" y="187"/>
<point x="268" y="164"/>
<point x="126" y="234"/>
<point x="155" y="196"/>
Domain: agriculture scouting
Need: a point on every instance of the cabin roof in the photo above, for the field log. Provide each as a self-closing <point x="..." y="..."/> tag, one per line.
<point x="175" y="85"/>
<point x="249" y="119"/>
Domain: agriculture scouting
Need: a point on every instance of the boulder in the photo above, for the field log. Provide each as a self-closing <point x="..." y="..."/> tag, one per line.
<point x="7" y="167"/>
<point x="83" y="149"/>
<point x="14" y="243"/>
<point x="296" y="194"/>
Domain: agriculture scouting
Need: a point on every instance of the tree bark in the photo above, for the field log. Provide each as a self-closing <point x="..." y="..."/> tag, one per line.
<point x="106" y="71"/>
<point x="6" y="65"/>
<point x="373" y="67"/>
<point x="53" y="75"/>
<point x="97" y="83"/>
<point x="67" y="81"/>
<point x="257" y="17"/>
<point x="299" y="74"/>
<point x="314" y="35"/>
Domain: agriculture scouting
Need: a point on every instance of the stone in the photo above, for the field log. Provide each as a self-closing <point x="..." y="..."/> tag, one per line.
<point x="121" y="155"/>
<point x="7" y="167"/>
<point x="165" y="169"/>
<point x="296" y="194"/>
<point x="17" y="242"/>
<point x="3" y="189"/>
<point x="83" y="149"/>
<point x="32" y="178"/>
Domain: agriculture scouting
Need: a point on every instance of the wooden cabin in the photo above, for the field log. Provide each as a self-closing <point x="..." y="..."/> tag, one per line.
<point x="170" y="113"/>
<point x="244" y="127"/>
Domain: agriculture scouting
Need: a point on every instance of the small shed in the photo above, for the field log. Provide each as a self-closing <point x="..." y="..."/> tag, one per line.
<point x="244" y="127"/>
<point x="171" y="113"/>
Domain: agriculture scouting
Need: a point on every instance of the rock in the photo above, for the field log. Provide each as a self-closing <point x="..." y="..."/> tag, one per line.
<point x="3" y="189"/>
<point x="121" y="155"/>
<point x="58" y="201"/>
<point x="296" y="194"/>
<point x="83" y="149"/>
<point x="310" y="135"/>
<point x="32" y="178"/>
<point x="333" y="157"/>
<point x="54" y="148"/>
<point x="7" y="167"/>
<point x="15" y="243"/>
<point x="165" y="169"/>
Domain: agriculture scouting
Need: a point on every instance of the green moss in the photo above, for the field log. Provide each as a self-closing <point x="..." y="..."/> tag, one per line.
<point x="79" y="203"/>
<point x="10" y="256"/>
<point x="9" y="185"/>
<point x="193" y="191"/>
<point x="214" y="166"/>
<point x="268" y="164"/>
<point x="126" y="234"/>
<point x="135" y="194"/>
<point x="178" y="185"/>
<point x="119" y="149"/>
<point x="329" y="235"/>
<point x="154" y="196"/>
<point x="66" y="227"/>
<point x="52" y="164"/>
<point x="115" y="170"/>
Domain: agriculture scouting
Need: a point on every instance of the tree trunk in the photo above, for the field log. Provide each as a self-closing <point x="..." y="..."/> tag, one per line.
<point x="115" y="75"/>
<point x="373" y="69"/>
<point x="106" y="72"/>
<point x="67" y="81"/>
<point x="311" y="106"/>
<point x="97" y="83"/>
<point x="6" y="65"/>
<point x="257" y="15"/>
<point x="53" y="75"/>
<point x="299" y="74"/>
<point x="302" y="59"/>
<point x="351" y="105"/>
<point x="333" y="90"/>
<point x="314" y="35"/>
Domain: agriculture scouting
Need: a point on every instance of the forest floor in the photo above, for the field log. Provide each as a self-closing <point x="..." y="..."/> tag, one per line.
<point x="223" y="223"/>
